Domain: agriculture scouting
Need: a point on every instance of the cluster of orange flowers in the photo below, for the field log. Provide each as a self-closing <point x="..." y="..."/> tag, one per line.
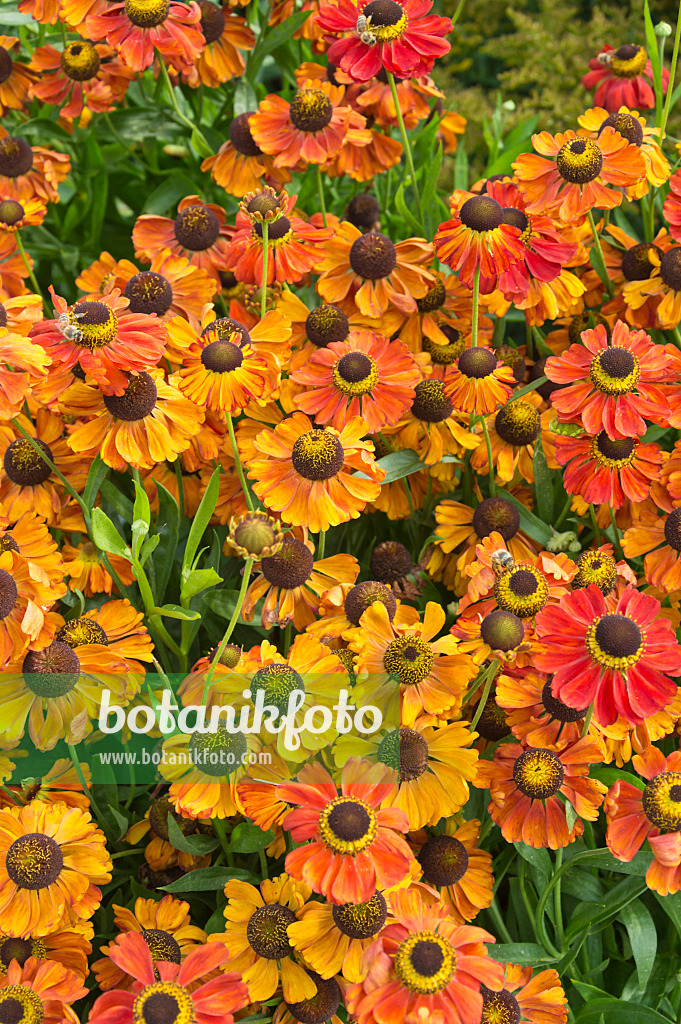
<point x="291" y="371"/>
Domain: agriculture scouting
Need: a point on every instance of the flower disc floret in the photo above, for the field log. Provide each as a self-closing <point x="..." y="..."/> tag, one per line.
<point x="499" y="1007"/>
<point x="637" y="264"/>
<point x="522" y="590"/>
<point x="615" y="371"/>
<point x="278" y="682"/>
<point x="615" y="453"/>
<point x="318" y="455"/>
<point x="434" y="298"/>
<point x="347" y="825"/>
<point x="266" y="931"/>
<point x="222" y="356"/>
<point x="496" y="515"/>
<point x="290" y="567"/>
<point x="21" y="1005"/>
<point x="325" y="324"/>
<point x="80" y="61"/>
<point x="363" y="595"/>
<point x="361" y="920"/>
<point x="406" y="751"/>
<point x="444" y="860"/>
<point x="137" y="401"/>
<point x="629" y="61"/>
<point x="34" y="861"/>
<point x="23" y="464"/>
<point x="219" y="753"/>
<point x="373" y="255"/>
<point x="163" y="1003"/>
<point x="196" y="227"/>
<point x="672" y="529"/>
<point x="240" y="133"/>
<point x="670" y="269"/>
<point x="16" y="157"/>
<point x="502" y="630"/>
<point x="147" y="13"/>
<point x="595" y="567"/>
<point x="627" y="125"/>
<point x="517" y="423"/>
<point x="538" y="773"/>
<point x="97" y="323"/>
<point x="425" y="962"/>
<point x="615" y="641"/>
<point x="477" y="362"/>
<point x="52" y="672"/>
<point x="149" y="292"/>
<point x="77" y="632"/>
<point x="11" y="212"/>
<point x="162" y="945"/>
<point x="662" y="801"/>
<point x="408" y="658"/>
<point x="212" y="21"/>
<point x="481" y="213"/>
<point x="8" y="594"/>
<point x="579" y="161"/>
<point x="355" y="374"/>
<point x="310" y="110"/>
<point x="430" y="404"/>
<point x="320" y="1007"/>
<point x="561" y="712"/>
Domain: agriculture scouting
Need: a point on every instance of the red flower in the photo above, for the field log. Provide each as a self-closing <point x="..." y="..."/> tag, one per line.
<point x="138" y="27"/>
<point x="606" y="470"/>
<point x="478" y="237"/>
<point x="672" y="206"/>
<point x="611" y="386"/>
<point x="400" y="37"/>
<point x="621" y="78"/>
<point x="614" y="660"/>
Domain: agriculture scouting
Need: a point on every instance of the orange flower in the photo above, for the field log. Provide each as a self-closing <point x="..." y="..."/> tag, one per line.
<point x="137" y="28"/>
<point x="199" y="232"/>
<point x="28" y="172"/>
<point x="306" y="473"/>
<point x="240" y="164"/>
<point x="478" y="238"/>
<point x="17" y="78"/>
<point x="659" y="538"/>
<point x="479" y="382"/>
<point x="354" y="848"/>
<point x="43" y="990"/>
<point x="365" y="376"/>
<point x="81" y="75"/>
<point x="456" y="874"/>
<point x="118" y="625"/>
<point x="573" y="175"/>
<point x="524" y="783"/>
<point x="369" y="273"/>
<point x="631" y="126"/>
<point x="172" y="286"/>
<point x="87" y="570"/>
<point x="527" y="998"/>
<point x="221" y="57"/>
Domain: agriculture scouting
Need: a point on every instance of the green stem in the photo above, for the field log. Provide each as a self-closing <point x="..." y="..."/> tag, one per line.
<point x="74" y="494"/>
<point x="672" y="75"/>
<point x="176" y="107"/>
<point x="263" y="865"/>
<point x="488" y="444"/>
<point x="599" y="250"/>
<point x="239" y="467"/>
<point x="405" y="144"/>
<point x="489" y="679"/>
<point x="564" y="512"/>
<point x="265" y="256"/>
<point x="618" y="543"/>
<point x="64" y="40"/>
<point x="557" y="903"/>
<point x="499" y="922"/>
<point x="320" y="190"/>
<point x="587" y="721"/>
<point x="81" y="778"/>
<point x="31" y="275"/>
<point x="677" y="336"/>
<point x="230" y="628"/>
<point x="321" y="547"/>
<point x="594" y="523"/>
<point x="476" y="303"/>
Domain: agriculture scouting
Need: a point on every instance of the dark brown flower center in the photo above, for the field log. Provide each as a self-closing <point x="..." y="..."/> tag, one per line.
<point x="77" y="632"/>
<point x="618" y="636"/>
<point x="496" y="515"/>
<point x="538" y="773"/>
<point x="444" y="860"/>
<point x="363" y="211"/>
<point x="16" y="157"/>
<point x="318" y="455"/>
<point x="361" y="920"/>
<point x="137" y="401"/>
<point x="52" y="672"/>
<point x="354" y="367"/>
<point x="162" y="945"/>
<point x="430" y="404"/>
<point x="617" y="362"/>
<point x="580" y="322"/>
<point x="561" y="712"/>
<point x="615" y="449"/>
<point x="23" y="464"/>
<point x="212" y="21"/>
<point x="11" y="212"/>
<point x="222" y="357"/>
<point x="149" y="292"/>
<point x="349" y="821"/>
<point x="12" y="948"/>
<point x="434" y="298"/>
<point x="291" y="566"/>
<point x="670" y="269"/>
<point x="266" y="931"/>
<point x="325" y="324"/>
<point x="240" y="132"/>
<point x="225" y="328"/>
<point x="492" y="724"/>
<point x="373" y="255"/>
<point x="516" y="218"/>
<point x="147" y="13"/>
<point x="383" y="12"/>
<point x="8" y="594"/>
<point x="406" y="751"/>
<point x="311" y="110"/>
<point x="579" y="161"/>
<point x="628" y="126"/>
<point x="80" y="61"/>
<point x="390" y="562"/>
<point x="196" y="228"/>
<point x="672" y="529"/>
<point x="517" y="423"/>
<point x="6" y="65"/>
<point x="481" y="213"/>
<point x="324" y="1004"/>
<point x="636" y="262"/>
<point x="595" y="567"/>
<point x="276" y="229"/>
<point x="477" y="362"/>
<point x="499" y="1007"/>
<point x="362" y="597"/>
<point x="34" y="861"/>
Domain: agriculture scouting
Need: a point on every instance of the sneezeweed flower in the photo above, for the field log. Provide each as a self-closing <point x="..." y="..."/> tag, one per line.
<point x="118" y="625"/>
<point x="162" y="989"/>
<point x="424" y="966"/>
<point x="524" y="783"/>
<point x="67" y="947"/>
<point x="619" y="661"/>
<point x="58" y="692"/>
<point x="159" y="852"/>
<point x="479" y="382"/>
<point x="354" y="847"/>
<point x="311" y="129"/>
<point x="306" y="473"/>
<point x="653" y="813"/>
<point x="525" y="998"/>
<point x="15" y="78"/>
<point x="478" y="238"/>
<point x="369" y="273"/>
<point x="30" y="172"/>
<point x="672" y="206"/>
<point x="30" y="539"/>
<point x="138" y="28"/>
<point x="240" y="164"/>
<point x="456" y="873"/>
<point x="663" y="283"/>
<point x="221" y="371"/>
<point x="523" y="588"/>
<point x="605" y="470"/>
<point x="405" y="38"/>
<point x="632" y="126"/>
<point x="513" y="432"/>
<point x="82" y="75"/>
<point x="658" y="537"/>
<point x="332" y="938"/>
<point x="14" y="215"/>
<point x="200" y="233"/>
<point x="149" y="422"/>
<point x="573" y="175"/>
<point x="110" y="340"/>
<point x="430" y="674"/>
<point x="226" y="35"/>
<point x="172" y="286"/>
<point x="295" y="247"/>
<point x="52" y="860"/>
<point x="22" y="361"/>
<point x="256" y="922"/>
<point x="532" y="713"/>
<point x="431" y="426"/>
<point x="292" y="583"/>
<point x="23" y="606"/>
<point x="39" y="990"/>
<point x="485" y="632"/>
<point x="365" y="376"/>
<point x="87" y="571"/>
<point x="624" y="75"/>
<point x="611" y="383"/>
<point x="342" y="607"/>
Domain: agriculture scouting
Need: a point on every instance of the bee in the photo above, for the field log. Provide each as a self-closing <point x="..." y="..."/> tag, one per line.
<point x="605" y="57"/>
<point x="70" y="331"/>
<point x="364" y="31"/>
<point x="502" y="561"/>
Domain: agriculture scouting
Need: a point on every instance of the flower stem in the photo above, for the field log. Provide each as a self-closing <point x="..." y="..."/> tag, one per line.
<point x="405" y="143"/>
<point x="320" y="190"/>
<point x="265" y="255"/>
<point x="489" y="679"/>
<point x="476" y="303"/>
<point x="488" y="444"/>
<point x="557" y="904"/>
<point x="322" y="545"/>
<point x="31" y="275"/>
<point x="594" y="523"/>
<point x="587" y="721"/>
<point x="672" y="75"/>
<point x="230" y="628"/>
<point x="615" y="528"/>
<point x="81" y="778"/>
<point x="239" y="467"/>
<point x="597" y="242"/>
<point x="176" y="107"/>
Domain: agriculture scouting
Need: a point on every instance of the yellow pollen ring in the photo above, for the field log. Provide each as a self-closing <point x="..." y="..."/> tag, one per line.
<point x="425" y="962"/>
<point x="387" y="33"/>
<point x="347" y="825"/>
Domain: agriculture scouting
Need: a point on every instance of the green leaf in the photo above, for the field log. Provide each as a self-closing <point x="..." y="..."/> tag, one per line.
<point x="671" y="905"/>
<point x="271" y="39"/>
<point x="461" y="166"/>
<point x="122" y="823"/>
<point x="200" y="522"/>
<point x="199" y="144"/>
<point x="118" y="501"/>
<point x="598" y="263"/>
<point x="106" y="536"/>
<point x="539" y="860"/>
<point x="543" y="483"/>
<point x="141" y="508"/>
<point x="197" y="845"/>
<point x="609" y="776"/>
<point x="248" y="838"/>
<point x="207" y="880"/>
<point x="654" y="57"/>
<point x="525" y="390"/>
<point x="521" y="953"/>
<point x="174" y="611"/>
<point x="529" y="523"/>
<point x="245" y="99"/>
<point x="617" y="1011"/>
<point x="612" y="904"/>
<point x="165" y="197"/>
<point x="405" y="212"/>
<point x="503" y="163"/>
<point x="643" y="938"/>
<point x="98" y="473"/>
<point x="198" y="580"/>
<point x="167" y="527"/>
